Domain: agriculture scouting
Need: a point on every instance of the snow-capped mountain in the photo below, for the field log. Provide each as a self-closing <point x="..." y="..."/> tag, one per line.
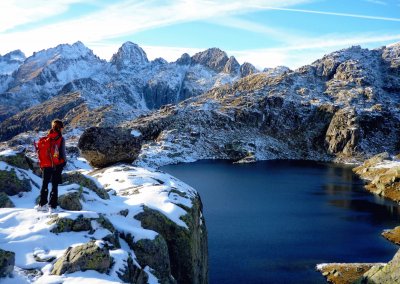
<point x="343" y="107"/>
<point x="128" y="85"/>
<point x="11" y="61"/>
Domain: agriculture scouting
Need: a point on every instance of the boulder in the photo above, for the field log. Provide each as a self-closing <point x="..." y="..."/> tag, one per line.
<point x="11" y="184"/>
<point x="7" y="261"/>
<point x="89" y="256"/>
<point x="103" y="146"/>
<point x="5" y="201"/>
<point x="70" y="201"/>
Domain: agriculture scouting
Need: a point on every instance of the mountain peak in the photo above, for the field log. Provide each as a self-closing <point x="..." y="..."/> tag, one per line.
<point x="16" y="55"/>
<point x="11" y="62"/>
<point x="213" y="58"/>
<point x="129" y="54"/>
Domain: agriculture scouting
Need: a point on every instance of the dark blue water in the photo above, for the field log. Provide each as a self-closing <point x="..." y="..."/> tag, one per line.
<point x="273" y="221"/>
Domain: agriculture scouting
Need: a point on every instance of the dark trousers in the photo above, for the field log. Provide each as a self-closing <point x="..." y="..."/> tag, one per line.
<point x="53" y="175"/>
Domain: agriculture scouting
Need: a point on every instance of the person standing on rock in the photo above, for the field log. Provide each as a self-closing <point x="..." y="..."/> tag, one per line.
<point x="52" y="160"/>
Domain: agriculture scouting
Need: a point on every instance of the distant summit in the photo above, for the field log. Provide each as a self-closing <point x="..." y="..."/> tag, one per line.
<point x="129" y="55"/>
<point x="11" y="61"/>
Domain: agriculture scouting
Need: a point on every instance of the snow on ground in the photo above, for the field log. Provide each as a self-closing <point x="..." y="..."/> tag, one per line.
<point x="26" y="232"/>
<point x="387" y="164"/>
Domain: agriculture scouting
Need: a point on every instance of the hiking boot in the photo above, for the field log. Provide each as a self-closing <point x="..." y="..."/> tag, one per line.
<point x="54" y="210"/>
<point x="43" y="208"/>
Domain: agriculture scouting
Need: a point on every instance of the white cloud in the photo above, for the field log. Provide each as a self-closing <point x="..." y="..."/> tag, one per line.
<point x="379" y="2"/>
<point x="14" y="13"/>
<point x="331" y="13"/>
<point x="308" y="50"/>
<point x="116" y="20"/>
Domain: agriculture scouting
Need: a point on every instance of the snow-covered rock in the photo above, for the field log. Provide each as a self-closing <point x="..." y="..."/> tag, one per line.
<point x="148" y="214"/>
<point x="11" y="61"/>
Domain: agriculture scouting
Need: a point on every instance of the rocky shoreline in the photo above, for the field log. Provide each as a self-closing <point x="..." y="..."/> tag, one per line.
<point x="382" y="174"/>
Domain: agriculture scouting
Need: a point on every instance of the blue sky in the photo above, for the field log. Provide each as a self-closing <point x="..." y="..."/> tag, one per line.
<point x="266" y="33"/>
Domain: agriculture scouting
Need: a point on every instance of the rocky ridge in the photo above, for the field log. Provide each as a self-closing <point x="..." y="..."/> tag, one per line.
<point x="342" y="107"/>
<point x="123" y="88"/>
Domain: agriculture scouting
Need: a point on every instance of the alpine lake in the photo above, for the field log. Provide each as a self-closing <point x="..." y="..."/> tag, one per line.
<point x="274" y="221"/>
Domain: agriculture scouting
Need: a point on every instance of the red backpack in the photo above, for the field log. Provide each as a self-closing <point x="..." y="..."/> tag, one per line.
<point x="48" y="149"/>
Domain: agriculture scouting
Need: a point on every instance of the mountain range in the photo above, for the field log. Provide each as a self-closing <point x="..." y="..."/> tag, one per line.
<point x="123" y="88"/>
<point x="344" y="106"/>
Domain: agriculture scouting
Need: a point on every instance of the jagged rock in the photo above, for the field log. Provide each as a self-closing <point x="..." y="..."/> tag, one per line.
<point x="214" y="58"/>
<point x="247" y="69"/>
<point x="133" y="274"/>
<point x="80" y="179"/>
<point x="18" y="160"/>
<point x="187" y="247"/>
<point x="129" y="54"/>
<point x="11" y="184"/>
<point x="387" y="274"/>
<point x="5" y="201"/>
<point x="7" y="261"/>
<point x="67" y="225"/>
<point x="185" y="59"/>
<point x="152" y="253"/>
<point x="89" y="256"/>
<point x="105" y="146"/>
<point x="232" y="66"/>
<point x="158" y="93"/>
<point x="70" y="201"/>
<point x="343" y="133"/>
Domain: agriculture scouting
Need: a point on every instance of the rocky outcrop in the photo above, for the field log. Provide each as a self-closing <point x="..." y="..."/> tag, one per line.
<point x="133" y="274"/>
<point x="70" y="201"/>
<point x="343" y="133"/>
<point x="90" y="256"/>
<point x="344" y="273"/>
<point x="84" y="181"/>
<point x="7" y="261"/>
<point x="382" y="174"/>
<point x="384" y="274"/>
<point x="187" y="247"/>
<point x="105" y="146"/>
<point x="146" y="249"/>
<point x="129" y="54"/>
<point x="247" y="69"/>
<point x="232" y="66"/>
<point x="5" y="201"/>
<point x="214" y="58"/>
<point x="63" y="225"/>
<point x="12" y="184"/>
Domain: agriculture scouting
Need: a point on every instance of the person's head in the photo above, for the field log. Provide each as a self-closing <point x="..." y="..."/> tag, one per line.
<point x="57" y="125"/>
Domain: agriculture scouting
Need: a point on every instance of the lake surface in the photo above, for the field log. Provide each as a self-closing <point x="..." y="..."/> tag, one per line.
<point x="273" y="221"/>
